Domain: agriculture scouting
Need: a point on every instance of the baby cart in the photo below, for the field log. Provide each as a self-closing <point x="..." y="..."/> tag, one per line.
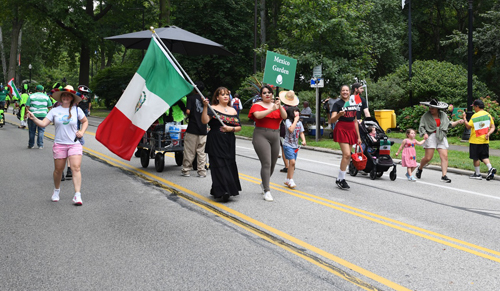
<point x="160" y="139"/>
<point x="377" y="150"/>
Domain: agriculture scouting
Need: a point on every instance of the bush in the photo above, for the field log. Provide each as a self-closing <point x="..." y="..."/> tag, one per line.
<point x="493" y="108"/>
<point x="431" y="79"/>
<point x="109" y="83"/>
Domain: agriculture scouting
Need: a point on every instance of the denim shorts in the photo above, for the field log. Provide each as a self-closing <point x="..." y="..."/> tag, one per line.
<point x="290" y="153"/>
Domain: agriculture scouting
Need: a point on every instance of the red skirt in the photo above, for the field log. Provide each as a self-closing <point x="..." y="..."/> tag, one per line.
<point x="345" y="132"/>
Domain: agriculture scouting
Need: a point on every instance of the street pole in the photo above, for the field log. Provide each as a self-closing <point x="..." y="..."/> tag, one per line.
<point x="255" y="38"/>
<point x="409" y="51"/>
<point x="30" y="67"/>
<point x="470" y="98"/>
<point x="318" y="126"/>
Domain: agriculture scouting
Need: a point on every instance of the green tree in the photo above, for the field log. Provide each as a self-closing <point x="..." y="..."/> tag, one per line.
<point x="431" y="79"/>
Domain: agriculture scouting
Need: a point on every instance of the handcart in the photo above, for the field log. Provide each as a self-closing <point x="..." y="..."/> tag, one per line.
<point x="160" y="139"/>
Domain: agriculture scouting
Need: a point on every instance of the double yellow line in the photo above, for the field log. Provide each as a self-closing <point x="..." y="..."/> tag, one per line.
<point x="408" y="228"/>
<point x="273" y="235"/>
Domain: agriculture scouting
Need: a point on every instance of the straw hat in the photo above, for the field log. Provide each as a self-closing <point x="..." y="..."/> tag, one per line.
<point x="56" y="94"/>
<point x="289" y="98"/>
<point x="435" y="104"/>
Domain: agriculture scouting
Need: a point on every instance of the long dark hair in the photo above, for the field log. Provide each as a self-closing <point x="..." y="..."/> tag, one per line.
<point x="290" y="112"/>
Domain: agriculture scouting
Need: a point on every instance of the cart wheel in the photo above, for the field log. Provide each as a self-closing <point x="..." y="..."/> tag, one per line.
<point x="379" y="174"/>
<point x="373" y="174"/>
<point x="392" y="175"/>
<point x="179" y="156"/>
<point x="144" y="158"/>
<point x="352" y="170"/>
<point x="138" y="153"/>
<point x="159" y="162"/>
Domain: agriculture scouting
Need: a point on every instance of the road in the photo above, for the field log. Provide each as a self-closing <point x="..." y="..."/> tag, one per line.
<point x="143" y="230"/>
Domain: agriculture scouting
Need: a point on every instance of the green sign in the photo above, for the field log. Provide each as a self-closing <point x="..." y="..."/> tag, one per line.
<point x="280" y="70"/>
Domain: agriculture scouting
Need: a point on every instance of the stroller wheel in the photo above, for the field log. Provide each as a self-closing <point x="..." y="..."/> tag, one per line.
<point x="393" y="175"/>
<point x="379" y="174"/>
<point x="352" y="170"/>
<point x="373" y="174"/>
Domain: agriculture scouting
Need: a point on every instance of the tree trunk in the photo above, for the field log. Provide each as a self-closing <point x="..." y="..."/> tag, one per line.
<point x="164" y="13"/>
<point x="83" y="78"/>
<point x="16" y="28"/>
<point x="262" y="29"/>
<point x="4" y="62"/>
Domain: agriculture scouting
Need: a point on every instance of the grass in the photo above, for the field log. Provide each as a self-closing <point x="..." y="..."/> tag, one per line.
<point x="100" y="112"/>
<point x="456" y="159"/>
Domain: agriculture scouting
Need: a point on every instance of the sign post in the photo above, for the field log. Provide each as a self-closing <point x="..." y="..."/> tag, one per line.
<point x="317" y="82"/>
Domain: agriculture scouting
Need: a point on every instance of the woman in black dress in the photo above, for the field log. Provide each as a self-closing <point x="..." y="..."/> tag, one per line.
<point x="221" y="144"/>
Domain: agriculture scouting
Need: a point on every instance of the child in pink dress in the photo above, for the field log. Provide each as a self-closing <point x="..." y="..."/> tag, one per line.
<point x="409" y="156"/>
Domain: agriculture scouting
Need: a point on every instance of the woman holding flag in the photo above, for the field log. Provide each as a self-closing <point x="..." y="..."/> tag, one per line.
<point x="346" y="131"/>
<point x="221" y="144"/>
<point x="434" y="125"/>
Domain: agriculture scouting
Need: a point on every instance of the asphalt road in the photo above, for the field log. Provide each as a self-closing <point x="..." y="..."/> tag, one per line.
<point x="143" y="230"/>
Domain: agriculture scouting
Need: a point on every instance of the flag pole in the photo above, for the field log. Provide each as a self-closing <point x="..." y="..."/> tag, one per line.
<point x="184" y="72"/>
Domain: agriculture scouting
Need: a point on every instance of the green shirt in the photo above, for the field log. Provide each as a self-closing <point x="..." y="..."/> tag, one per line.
<point x="24" y="98"/>
<point x="39" y="104"/>
<point x="3" y="94"/>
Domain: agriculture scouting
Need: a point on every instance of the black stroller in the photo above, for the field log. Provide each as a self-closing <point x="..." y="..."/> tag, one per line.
<point x="378" y="152"/>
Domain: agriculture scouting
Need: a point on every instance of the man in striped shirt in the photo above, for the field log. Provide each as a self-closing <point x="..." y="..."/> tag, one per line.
<point x="39" y="104"/>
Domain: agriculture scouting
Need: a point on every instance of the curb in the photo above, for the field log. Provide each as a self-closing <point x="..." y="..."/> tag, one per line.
<point x="397" y="161"/>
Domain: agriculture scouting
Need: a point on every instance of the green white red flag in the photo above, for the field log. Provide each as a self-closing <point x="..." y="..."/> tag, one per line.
<point x="385" y="147"/>
<point x="481" y="124"/>
<point x="157" y="85"/>
<point x="13" y="89"/>
<point x="353" y="100"/>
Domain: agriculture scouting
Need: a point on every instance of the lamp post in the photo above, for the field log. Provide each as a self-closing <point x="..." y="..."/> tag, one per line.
<point x="30" y="67"/>
<point x="470" y="97"/>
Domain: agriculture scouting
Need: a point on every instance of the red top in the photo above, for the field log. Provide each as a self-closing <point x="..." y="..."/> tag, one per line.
<point x="438" y="122"/>
<point x="271" y="121"/>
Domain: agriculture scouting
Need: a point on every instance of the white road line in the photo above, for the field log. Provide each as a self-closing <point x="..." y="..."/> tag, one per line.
<point x="401" y="178"/>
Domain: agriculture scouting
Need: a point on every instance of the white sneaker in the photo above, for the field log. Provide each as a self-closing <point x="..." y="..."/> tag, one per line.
<point x="77" y="200"/>
<point x="291" y="184"/>
<point x="268" y="197"/>
<point x="262" y="187"/>
<point x="55" y="196"/>
<point x="186" y="174"/>
<point x="287" y="183"/>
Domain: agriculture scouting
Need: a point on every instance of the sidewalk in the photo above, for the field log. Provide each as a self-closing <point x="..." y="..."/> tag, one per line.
<point x="460" y="148"/>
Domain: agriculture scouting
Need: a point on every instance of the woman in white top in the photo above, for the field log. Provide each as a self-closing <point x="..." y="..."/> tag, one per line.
<point x="66" y="142"/>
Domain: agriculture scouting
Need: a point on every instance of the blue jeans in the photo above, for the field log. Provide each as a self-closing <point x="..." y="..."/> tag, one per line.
<point x="32" y="128"/>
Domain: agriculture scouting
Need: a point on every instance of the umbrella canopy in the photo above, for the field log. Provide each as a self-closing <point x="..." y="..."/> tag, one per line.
<point x="176" y="39"/>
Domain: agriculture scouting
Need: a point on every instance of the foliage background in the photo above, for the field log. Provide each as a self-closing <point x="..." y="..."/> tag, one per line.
<point x="367" y="39"/>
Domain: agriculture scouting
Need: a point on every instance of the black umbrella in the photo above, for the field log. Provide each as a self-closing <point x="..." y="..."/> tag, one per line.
<point x="176" y="39"/>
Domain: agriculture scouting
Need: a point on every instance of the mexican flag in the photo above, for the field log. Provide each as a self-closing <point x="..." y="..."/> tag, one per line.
<point x="385" y="147"/>
<point x="13" y="90"/>
<point x="353" y="100"/>
<point x="481" y="124"/>
<point x="157" y="85"/>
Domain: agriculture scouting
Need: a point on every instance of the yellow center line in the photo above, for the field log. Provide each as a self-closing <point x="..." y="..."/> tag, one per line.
<point x="268" y="228"/>
<point x="326" y="202"/>
<point x="321" y="201"/>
